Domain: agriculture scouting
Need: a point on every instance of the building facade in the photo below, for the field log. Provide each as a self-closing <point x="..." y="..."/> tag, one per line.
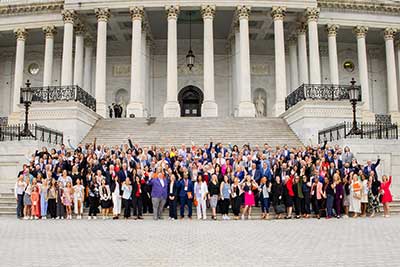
<point x="249" y="55"/>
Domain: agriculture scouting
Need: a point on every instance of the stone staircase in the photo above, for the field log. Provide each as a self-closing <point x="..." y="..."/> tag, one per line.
<point x="177" y="131"/>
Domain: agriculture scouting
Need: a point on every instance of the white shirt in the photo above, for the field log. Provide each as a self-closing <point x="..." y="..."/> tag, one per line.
<point x="162" y="182"/>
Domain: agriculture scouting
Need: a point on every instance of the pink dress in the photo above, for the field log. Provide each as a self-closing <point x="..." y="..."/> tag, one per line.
<point x="387" y="195"/>
<point x="248" y="196"/>
<point x="67" y="196"/>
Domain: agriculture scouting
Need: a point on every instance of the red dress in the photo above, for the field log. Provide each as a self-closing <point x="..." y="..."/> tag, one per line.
<point x="35" y="198"/>
<point x="387" y="195"/>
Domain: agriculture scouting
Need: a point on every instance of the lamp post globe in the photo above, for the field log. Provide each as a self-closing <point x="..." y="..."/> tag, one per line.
<point x="26" y="95"/>
<point x="354" y="95"/>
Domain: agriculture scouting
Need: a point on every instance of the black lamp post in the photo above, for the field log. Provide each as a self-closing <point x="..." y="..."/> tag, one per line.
<point x="190" y="56"/>
<point x="354" y="94"/>
<point x="26" y="94"/>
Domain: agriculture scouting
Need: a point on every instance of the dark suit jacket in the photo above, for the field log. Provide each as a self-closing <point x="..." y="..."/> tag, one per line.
<point x="122" y="177"/>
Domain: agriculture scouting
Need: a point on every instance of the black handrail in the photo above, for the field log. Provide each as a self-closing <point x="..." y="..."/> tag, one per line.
<point x="318" y="92"/>
<point x="369" y="130"/>
<point x="63" y="93"/>
<point x="40" y="133"/>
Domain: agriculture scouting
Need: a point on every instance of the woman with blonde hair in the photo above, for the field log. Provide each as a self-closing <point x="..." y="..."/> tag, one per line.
<point x="201" y="193"/>
<point x="79" y="197"/>
<point x="355" y="195"/>
<point x="387" y="195"/>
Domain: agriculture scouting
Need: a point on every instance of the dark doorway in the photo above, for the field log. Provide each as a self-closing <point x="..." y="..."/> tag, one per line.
<point x="190" y="99"/>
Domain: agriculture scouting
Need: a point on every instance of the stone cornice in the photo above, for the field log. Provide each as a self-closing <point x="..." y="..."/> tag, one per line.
<point x="360" y="5"/>
<point x="31" y="8"/>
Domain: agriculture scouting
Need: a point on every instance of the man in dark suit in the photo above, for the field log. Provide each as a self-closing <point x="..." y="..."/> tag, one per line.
<point x="265" y="171"/>
<point x="371" y="167"/>
<point x="124" y="173"/>
<point x="254" y="172"/>
<point x="186" y="194"/>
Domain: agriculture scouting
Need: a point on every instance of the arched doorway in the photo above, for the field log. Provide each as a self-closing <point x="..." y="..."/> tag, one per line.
<point x="190" y="99"/>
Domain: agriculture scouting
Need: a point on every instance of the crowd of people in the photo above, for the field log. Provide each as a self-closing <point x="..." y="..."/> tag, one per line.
<point x="229" y="181"/>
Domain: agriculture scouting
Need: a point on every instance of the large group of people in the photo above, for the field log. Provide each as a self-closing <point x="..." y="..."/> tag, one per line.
<point x="128" y="181"/>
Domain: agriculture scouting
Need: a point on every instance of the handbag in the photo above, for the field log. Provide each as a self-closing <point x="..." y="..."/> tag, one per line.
<point x="195" y="202"/>
<point x="280" y="208"/>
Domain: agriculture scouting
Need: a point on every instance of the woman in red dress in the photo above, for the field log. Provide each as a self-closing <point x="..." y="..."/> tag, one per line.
<point x="387" y="195"/>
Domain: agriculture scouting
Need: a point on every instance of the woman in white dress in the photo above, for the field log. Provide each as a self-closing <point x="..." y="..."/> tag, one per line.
<point x="116" y="197"/>
<point x="355" y="196"/>
<point x="201" y="192"/>
<point x="364" y="195"/>
<point x="78" y="198"/>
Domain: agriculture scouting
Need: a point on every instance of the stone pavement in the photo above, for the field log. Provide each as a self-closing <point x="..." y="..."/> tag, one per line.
<point x="345" y="242"/>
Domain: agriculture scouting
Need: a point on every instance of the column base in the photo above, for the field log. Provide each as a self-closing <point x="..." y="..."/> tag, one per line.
<point x="246" y="109"/>
<point x="395" y="116"/>
<point x="101" y="109"/>
<point x="209" y="109"/>
<point x="135" y="108"/>
<point x="172" y="109"/>
<point x="279" y="108"/>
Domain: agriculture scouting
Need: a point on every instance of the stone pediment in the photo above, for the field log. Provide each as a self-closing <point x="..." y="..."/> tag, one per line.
<point x="385" y="6"/>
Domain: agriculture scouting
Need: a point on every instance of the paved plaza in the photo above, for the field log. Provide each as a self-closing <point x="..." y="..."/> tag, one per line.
<point x="351" y="242"/>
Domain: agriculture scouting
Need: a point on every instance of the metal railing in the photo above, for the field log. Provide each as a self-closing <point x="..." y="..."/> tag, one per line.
<point x="317" y="92"/>
<point x="3" y="120"/>
<point x="40" y="133"/>
<point x="368" y="131"/>
<point x="63" y="93"/>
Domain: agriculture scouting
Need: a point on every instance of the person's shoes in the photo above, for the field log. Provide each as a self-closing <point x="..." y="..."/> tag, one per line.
<point x="298" y="217"/>
<point x="140" y="217"/>
<point x="242" y="216"/>
<point x="94" y="218"/>
<point x="89" y="218"/>
<point x="182" y="217"/>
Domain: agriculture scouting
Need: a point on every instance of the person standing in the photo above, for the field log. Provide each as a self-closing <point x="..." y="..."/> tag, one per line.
<point x="249" y="201"/>
<point x="137" y="197"/>
<point x="236" y="198"/>
<point x="94" y="197"/>
<point x="201" y="193"/>
<point x="27" y="199"/>
<point x="116" y="196"/>
<point x="159" y="193"/>
<point x="355" y="196"/>
<point x="185" y="188"/>
<point x="387" y="195"/>
<point x="19" y="195"/>
<point x="339" y="195"/>
<point x="225" y="192"/>
<point x="213" y="190"/>
<point x="52" y="199"/>
<point x="68" y="199"/>
<point x="43" y="199"/>
<point x="172" y="197"/>
<point x="35" y="199"/>
<point x="79" y="198"/>
<point x="127" y="197"/>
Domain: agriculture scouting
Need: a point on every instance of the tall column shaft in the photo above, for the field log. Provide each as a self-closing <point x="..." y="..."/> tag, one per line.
<point x="87" y="78"/>
<point x="294" y="74"/>
<point x="102" y="15"/>
<point x="49" y="32"/>
<point x="238" y="70"/>
<point x="246" y="106"/>
<point x="302" y="49"/>
<point x="315" y="69"/>
<point x="79" y="51"/>
<point x="20" y="35"/>
<point x="361" y="32"/>
<point x="278" y="14"/>
<point x="171" y="107"/>
<point x="332" y="50"/>
<point x="143" y="89"/>
<point x="66" y="65"/>
<point x="209" y="107"/>
<point x="393" y="102"/>
<point x="136" y="105"/>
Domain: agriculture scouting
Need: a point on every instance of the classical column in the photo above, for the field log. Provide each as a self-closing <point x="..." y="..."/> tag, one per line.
<point x="302" y="49"/>
<point x="361" y="32"/>
<point x="332" y="50"/>
<point x="49" y="32"/>
<point x="278" y="14"/>
<point x="312" y="15"/>
<point x="87" y="74"/>
<point x="171" y="107"/>
<point x="238" y="70"/>
<point x="66" y="65"/>
<point x="102" y="15"/>
<point x="393" y="102"/>
<point x="143" y="56"/>
<point x="294" y="73"/>
<point x="79" y="49"/>
<point x="209" y="107"/>
<point x="20" y="35"/>
<point x="246" y="106"/>
<point x="136" y="105"/>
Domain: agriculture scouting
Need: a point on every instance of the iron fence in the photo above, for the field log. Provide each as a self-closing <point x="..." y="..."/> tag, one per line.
<point x="40" y="133"/>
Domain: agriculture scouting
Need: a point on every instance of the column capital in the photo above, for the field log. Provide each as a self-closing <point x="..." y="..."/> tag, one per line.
<point x="312" y="14"/>
<point x="243" y="12"/>
<point x="332" y="29"/>
<point x="88" y="40"/>
<point x="389" y="33"/>
<point x="137" y="13"/>
<point x="172" y="11"/>
<point x="292" y="41"/>
<point x="79" y="28"/>
<point x="102" y="14"/>
<point x="49" y="31"/>
<point x="278" y="12"/>
<point x="69" y="15"/>
<point x="360" y="31"/>
<point x="208" y="11"/>
<point x="301" y="28"/>
<point x="21" y="34"/>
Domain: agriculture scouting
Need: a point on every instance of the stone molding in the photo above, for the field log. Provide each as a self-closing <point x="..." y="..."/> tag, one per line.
<point x="102" y="14"/>
<point x="68" y="15"/>
<point x="358" y="5"/>
<point x="31" y="8"/>
<point x="137" y="13"/>
<point x="208" y="11"/>
<point x="49" y="31"/>
<point x="332" y="29"/>
<point x="278" y="12"/>
<point x="360" y="31"/>
<point x="172" y="12"/>
<point x="21" y="34"/>
<point x="243" y="12"/>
